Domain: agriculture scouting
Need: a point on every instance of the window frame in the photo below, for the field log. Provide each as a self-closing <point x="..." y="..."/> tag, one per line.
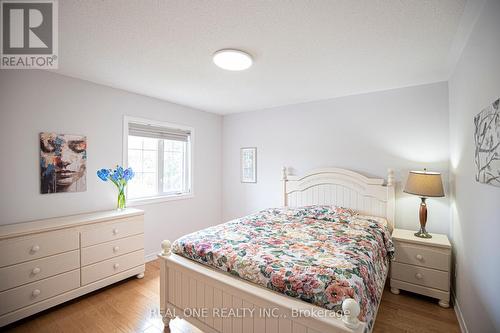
<point x="190" y="154"/>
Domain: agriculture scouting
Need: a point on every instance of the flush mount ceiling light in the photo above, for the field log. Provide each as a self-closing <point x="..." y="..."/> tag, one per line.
<point x="232" y="60"/>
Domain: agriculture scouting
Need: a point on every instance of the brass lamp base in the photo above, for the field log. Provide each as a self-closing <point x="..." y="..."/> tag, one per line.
<point x="422" y="233"/>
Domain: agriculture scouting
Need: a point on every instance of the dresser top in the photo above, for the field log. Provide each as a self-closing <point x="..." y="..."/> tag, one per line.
<point x="408" y="236"/>
<point x="63" y="222"/>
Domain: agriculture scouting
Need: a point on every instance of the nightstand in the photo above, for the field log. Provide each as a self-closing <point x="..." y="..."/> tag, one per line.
<point x="421" y="265"/>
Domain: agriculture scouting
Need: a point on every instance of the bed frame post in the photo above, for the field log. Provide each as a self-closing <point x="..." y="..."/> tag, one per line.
<point x="351" y="310"/>
<point x="390" y="177"/>
<point x="165" y="253"/>
<point x="284" y="178"/>
<point x="391" y="202"/>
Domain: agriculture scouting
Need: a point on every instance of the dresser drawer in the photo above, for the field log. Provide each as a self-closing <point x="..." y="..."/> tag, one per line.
<point x="111" y="231"/>
<point x="34" y="270"/>
<point x="430" y="257"/>
<point x="19" y="297"/>
<point x="100" y="252"/>
<point x="26" y="248"/>
<point x="422" y="276"/>
<point x="112" y="266"/>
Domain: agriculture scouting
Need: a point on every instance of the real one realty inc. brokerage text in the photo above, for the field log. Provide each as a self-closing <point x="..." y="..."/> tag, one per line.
<point x="246" y="312"/>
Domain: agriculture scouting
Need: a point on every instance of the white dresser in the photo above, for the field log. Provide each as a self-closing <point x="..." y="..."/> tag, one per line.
<point x="47" y="262"/>
<point x="421" y="265"/>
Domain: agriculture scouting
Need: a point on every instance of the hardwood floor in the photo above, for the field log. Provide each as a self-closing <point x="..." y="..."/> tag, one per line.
<point x="408" y="312"/>
<point x="132" y="306"/>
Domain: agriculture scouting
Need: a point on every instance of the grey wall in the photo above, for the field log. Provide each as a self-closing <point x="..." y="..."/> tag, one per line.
<point x="475" y="207"/>
<point x="36" y="101"/>
<point x="401" y="129"/>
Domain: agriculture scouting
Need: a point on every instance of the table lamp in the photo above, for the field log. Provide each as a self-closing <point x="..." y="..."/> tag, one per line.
<point x="424" y="184"/>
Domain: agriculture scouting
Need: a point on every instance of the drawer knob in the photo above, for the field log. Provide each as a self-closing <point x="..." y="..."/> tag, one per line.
<point x="35" y="248"/>
<point x="419" y="276"/>
<point x="419" y="257"/>
<point x="115" y="231"/>
<point x="35" y="271"/>
<point x="116" y="265"/>
<point x="116" y="249"/>
<point x="36" y="292"/>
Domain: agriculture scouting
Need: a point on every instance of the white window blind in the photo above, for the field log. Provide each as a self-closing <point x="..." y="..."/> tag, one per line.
<point x="157" y="132"/>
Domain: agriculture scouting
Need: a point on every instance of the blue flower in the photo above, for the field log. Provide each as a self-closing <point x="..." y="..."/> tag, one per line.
<point x="128" y="174"/>
<point x="103" y="174"/>
<point x="119" y="169"/>
<point x="115" y="176"/>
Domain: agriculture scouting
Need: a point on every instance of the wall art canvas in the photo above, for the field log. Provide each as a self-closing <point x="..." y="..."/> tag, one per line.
<point x="248" y="165"/>
<point x="63" y="160"/>
<point x="487" y="140"/>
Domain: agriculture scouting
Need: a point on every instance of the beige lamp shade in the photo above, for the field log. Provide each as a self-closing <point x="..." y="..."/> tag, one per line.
<point x="424" y="184"/>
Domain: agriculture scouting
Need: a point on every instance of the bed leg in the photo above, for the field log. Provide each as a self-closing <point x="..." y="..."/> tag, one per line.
<point x="166" y="320"/>
<point x="168" y="315"/>
<point x="351" y="310"/>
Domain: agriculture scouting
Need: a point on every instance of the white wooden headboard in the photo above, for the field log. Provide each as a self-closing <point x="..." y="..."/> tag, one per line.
<point x="333" y="186"/>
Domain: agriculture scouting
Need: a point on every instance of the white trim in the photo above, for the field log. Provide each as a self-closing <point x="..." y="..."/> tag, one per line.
<point x="458" y="312"/>
<point x="151" y="257"/>
<point x="158" y="199"/>
<point x="190" y="151"/>
<point x="160" y="163"/>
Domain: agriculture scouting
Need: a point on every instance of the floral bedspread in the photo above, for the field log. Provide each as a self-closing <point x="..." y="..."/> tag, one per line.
<point x="319" y="254"/>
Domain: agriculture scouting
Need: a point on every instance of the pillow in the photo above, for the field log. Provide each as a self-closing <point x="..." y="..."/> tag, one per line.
<point x="380" y="220"/>
<point x="322" y="212"/>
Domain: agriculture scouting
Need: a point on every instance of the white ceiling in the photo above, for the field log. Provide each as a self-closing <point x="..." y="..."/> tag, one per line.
<point x="303" y="50"/>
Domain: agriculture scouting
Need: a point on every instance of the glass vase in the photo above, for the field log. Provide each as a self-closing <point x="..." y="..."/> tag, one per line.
<point x="121" y="204"/>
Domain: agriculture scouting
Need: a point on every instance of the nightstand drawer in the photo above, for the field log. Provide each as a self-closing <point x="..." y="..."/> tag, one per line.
<point x="424" y="256"/>
<point x="422" y="276"/>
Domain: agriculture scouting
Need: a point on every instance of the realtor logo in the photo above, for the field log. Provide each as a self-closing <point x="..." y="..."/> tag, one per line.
<point x="29" y="34"/>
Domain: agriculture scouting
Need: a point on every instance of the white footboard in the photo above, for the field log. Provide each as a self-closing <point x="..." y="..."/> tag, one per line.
<point x="216" y="302"/>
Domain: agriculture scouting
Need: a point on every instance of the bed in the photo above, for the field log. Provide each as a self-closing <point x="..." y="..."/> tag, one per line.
<point x="309" y="266"/>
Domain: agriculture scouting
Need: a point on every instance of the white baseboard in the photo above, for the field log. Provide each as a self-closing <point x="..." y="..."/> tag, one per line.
<point x="458" y="312"/>
<point x="151" y="257"/>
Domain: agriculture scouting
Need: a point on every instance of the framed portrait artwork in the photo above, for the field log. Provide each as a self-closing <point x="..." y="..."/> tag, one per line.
<point x="63" y="159"/>
<point x="248" y="157"/>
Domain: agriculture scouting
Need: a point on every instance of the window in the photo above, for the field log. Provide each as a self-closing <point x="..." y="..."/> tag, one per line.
<point x="160" y="155"/>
